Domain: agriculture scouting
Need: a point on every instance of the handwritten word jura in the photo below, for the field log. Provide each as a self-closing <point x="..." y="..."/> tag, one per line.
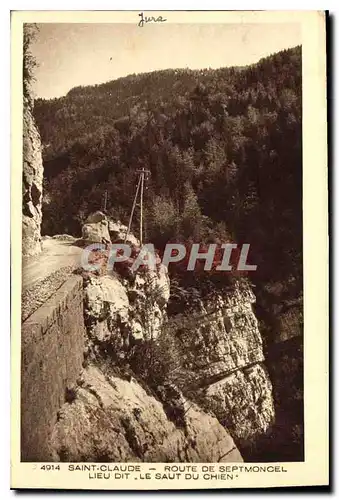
<point x="151" y="19"/>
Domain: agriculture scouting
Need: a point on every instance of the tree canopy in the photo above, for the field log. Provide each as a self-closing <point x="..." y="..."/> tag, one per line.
<point x="224" y="148"/>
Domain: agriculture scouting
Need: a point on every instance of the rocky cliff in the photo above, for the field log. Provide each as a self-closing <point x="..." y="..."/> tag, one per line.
<point x="113" y="413"/>
<point x="116" y="417"/>
<point x="31" y="183"/>
<point x="221" y="343"/>
<point x="157" y="418"/>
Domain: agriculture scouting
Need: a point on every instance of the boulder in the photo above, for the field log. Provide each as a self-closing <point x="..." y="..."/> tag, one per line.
<point x="122" y="312"/>
<point x="118" y="232"/>
<point x="96" y="217"/>
<point x="96" y="232"/>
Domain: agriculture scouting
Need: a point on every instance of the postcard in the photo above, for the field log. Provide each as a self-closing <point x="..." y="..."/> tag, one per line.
<point x="169" y="250"/>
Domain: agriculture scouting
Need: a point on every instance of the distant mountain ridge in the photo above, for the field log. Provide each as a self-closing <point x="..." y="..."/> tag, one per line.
<point x="122" y="94"/>
<point x="125" y="92"/>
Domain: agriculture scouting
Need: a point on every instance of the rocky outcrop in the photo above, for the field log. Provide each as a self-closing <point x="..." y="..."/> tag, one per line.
<point x="222" y="345"/>
<point x="31" y="183"/>
<point x="219" y="342"/>
<point x="226" y="335"/>
<point x="220" y="349"/>
<point x="115" y="420"/>
<point x="121" y="311"/>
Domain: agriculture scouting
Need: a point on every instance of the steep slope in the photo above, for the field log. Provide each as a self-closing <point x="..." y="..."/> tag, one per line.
<point x="115" y="420"/>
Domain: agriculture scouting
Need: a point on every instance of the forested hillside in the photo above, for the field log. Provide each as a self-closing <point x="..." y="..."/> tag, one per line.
<point x="224" y="148"/>
<point x="224" y="151"/>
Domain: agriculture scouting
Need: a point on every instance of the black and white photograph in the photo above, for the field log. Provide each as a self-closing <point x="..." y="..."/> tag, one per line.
<point x="162" y="270"/>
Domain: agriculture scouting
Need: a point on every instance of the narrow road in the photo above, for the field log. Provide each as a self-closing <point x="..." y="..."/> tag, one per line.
<point x="56" y="254"/>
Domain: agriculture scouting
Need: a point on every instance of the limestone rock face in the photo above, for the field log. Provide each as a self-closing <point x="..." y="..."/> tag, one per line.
<point x="31" y="184"/>
<point x="226" y="335"/>
<point x="226" y="353"/>
<point x="243" y="402"/>
<point x="114" y="420"/>
<point x="121" y="312"/>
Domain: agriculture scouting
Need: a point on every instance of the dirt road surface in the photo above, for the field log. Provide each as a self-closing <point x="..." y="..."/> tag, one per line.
<point x="56" y="254"/>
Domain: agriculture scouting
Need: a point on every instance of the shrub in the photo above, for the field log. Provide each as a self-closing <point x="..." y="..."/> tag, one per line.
<point x="155" y="361"/>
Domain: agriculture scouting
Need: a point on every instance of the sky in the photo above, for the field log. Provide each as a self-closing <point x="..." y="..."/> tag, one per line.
<point x="73" y="54"/>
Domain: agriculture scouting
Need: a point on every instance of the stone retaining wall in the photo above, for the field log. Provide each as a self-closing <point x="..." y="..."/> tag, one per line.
<point x="51" y="361"/>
